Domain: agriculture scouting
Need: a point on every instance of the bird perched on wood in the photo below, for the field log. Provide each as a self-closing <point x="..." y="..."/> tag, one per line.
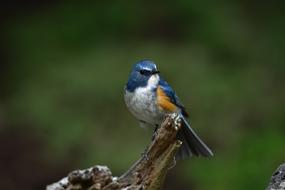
<point x="150" y="98"/>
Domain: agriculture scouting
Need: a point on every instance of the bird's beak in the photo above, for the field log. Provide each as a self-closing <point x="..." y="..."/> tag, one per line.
<point x="155" y="72"/>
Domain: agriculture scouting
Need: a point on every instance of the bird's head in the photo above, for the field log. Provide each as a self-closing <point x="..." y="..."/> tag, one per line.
<point x="144" y="73"/>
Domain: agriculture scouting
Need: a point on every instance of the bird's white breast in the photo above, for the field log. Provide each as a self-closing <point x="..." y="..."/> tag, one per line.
<point x="142" y="102"/>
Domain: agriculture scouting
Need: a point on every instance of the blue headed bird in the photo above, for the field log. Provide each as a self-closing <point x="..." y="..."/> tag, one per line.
<point x="150" y="98"/>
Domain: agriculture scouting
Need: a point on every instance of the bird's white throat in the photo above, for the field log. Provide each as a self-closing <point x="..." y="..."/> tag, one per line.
<point x="153" y="81"/>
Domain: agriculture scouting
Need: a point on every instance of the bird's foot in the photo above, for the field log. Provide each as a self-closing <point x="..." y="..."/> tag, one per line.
<point x="177" y="120"/>
<point x="144" y="154"/>
<point x="154" y="133"/>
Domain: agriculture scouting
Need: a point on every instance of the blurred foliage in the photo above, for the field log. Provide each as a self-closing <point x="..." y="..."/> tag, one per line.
<point x="62" y="97"/>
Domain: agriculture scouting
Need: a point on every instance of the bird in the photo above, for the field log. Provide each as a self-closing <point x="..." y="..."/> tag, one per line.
<point x="150" y="99"/>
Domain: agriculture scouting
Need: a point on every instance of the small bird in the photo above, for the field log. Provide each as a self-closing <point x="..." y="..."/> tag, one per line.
<point x="150" y="98"/>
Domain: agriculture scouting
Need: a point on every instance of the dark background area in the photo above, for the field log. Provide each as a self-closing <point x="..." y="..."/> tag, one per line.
<point x="63" y="69"/>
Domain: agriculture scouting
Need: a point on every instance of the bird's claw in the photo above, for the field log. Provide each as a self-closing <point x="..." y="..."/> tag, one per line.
<point x="144" y="154"/>
<point x="155" y="132"/>
<point x="174" y="115"/>
<point x="177" y="120"/>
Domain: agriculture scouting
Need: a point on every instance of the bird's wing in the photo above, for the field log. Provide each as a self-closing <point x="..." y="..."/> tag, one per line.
<point x="167" y="99"/>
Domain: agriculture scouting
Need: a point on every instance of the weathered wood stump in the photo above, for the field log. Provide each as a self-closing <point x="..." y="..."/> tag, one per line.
<point x="147" y="173"/>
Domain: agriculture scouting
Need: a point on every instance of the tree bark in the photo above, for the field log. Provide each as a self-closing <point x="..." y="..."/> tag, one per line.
<point x="147" y="173"/>
<point x="277" y="181"/>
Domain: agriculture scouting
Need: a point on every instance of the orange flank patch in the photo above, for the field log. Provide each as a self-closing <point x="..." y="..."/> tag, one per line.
<point x="164" y="102"/>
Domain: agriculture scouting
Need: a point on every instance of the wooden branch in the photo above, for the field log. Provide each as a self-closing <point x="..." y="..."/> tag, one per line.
<point x="147" y="173"/>
<point x="277" y="181"/>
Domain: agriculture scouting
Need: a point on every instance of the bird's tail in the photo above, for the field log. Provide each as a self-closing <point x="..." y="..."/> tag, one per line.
<point x="192" y="144"/>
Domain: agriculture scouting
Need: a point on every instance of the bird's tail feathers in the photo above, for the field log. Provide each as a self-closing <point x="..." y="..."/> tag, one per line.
<point x="192" y="144"/>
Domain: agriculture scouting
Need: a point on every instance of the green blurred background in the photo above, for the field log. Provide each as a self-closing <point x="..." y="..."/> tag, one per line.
<point x="65" y="66"/>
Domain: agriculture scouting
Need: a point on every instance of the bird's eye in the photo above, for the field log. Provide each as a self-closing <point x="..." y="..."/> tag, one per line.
<point x="145" y="72"/>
